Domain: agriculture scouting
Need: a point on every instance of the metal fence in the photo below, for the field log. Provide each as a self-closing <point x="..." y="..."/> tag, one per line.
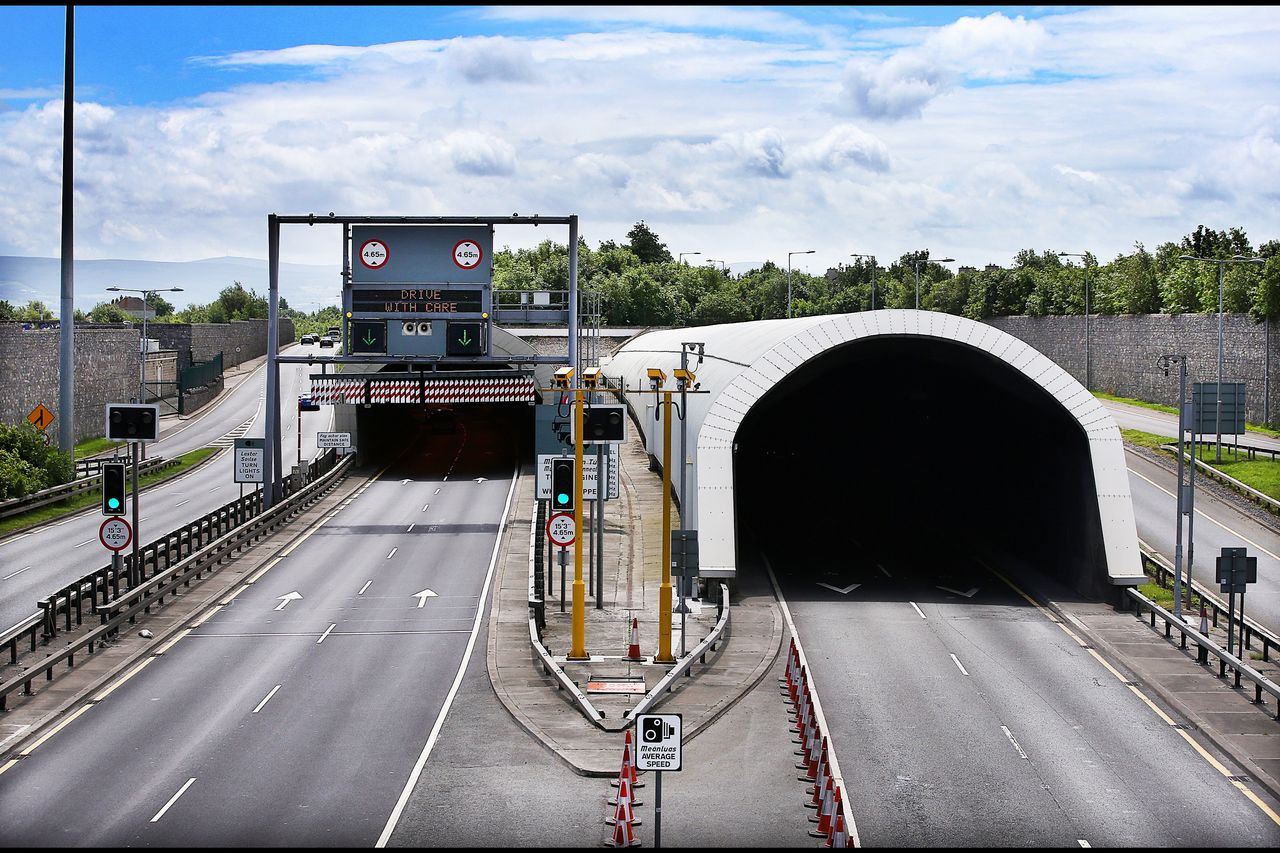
<point x="198" y="375"/>
<point x="86" y="483"/>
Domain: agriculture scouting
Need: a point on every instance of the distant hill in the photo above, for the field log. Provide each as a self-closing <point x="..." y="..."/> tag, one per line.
<point x="301" y="285"/>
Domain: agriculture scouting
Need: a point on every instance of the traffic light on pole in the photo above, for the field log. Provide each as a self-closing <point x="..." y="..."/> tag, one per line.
<point x="563" y="488"/>
<point x="112" y="488"/>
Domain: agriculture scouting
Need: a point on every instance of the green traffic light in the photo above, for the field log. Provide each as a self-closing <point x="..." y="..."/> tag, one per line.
<point x="562" y="498"/>
<point x="114" y="503"/>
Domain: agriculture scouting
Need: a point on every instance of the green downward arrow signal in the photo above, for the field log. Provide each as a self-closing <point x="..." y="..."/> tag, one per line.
<point x="368" y="338"/>
<point x="465" y="339"/>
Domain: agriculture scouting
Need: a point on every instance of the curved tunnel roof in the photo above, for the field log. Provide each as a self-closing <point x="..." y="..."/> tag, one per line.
<point x="743" y="361"/>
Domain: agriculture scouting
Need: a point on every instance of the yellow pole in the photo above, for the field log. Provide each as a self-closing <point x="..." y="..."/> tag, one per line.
<point x="664" y="591"/>
<point x="579" y="650"/>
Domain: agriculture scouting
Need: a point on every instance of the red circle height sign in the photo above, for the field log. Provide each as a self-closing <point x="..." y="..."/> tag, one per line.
<point x="374" y="254"/>
<point x="467" y="254"/>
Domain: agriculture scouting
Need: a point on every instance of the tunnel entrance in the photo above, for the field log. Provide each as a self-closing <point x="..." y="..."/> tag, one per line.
<point x="924" y="451"/>
<point x="469" y="439"/>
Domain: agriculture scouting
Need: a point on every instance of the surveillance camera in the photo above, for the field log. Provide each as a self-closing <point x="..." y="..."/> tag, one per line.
<point x="563" y="376"/>
<point x="590" y="377"/>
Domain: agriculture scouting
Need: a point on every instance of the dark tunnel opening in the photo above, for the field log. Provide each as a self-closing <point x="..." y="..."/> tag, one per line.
<point x="924" y="452"/>
<point x="432" y="440"/>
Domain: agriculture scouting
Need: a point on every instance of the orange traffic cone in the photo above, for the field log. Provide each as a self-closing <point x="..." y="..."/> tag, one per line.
<point x="633" y="650"/>
<point x="827" y="820"/>
<point x="628" y="766"/>
<point x="623" y="802"/>
<point x="622" y="836"/>
<point x="839" y="838"/>
<point x="824" y="806"/>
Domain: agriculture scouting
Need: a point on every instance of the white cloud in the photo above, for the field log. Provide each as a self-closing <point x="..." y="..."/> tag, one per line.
<point x="479" y="154"/>
<point x="845" y="146"/>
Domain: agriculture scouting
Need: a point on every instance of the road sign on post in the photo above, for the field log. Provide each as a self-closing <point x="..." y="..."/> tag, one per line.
<point x="333" y="439"/>
<point x="659" y="747"/>
<point x="40" y="417"/>
<point x="560" y="529"/>
<point x="115" y="534"/>
<point x="250" y="456"/>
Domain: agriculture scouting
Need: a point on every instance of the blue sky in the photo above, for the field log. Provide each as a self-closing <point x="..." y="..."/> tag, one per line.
<point x="743" y="133"/>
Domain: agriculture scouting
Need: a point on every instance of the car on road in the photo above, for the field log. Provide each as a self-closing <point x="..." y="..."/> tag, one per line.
<point x="326" y="342"/>
<point x="307" y="339"/>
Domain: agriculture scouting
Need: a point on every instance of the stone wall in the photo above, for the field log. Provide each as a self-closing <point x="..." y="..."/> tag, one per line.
<point x="106" y="371"/>
<point x="203" y="341"/>
<point x="1124" y="349"/>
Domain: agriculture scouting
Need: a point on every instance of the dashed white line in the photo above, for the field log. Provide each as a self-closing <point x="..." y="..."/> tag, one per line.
<point x="410" y="530"/>
<point x="962" y="669"/>
<point x="326" y="633"/>
<point x="266" y="700"/>
<point x="1013" y="741"/>
<point x="18" y="572"/>
<point x="883" y="569"/>
<point x="918" y="610"/>
<point x="363" y="588"/>
<point x="393" y="553"/>
<point x="424" y="507"/>
<point x="437" y="491"/>
<point x="175" y="506"/>
<point x="85" y="542"/>
<point x="181" y="791"/>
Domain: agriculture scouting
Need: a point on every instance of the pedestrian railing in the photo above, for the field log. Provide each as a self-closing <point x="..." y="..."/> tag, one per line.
<point x="53" y="494"/>
<point x="1228" y="664"/>
<point x="1265" y="501"/>
<point x="682" y="666"/>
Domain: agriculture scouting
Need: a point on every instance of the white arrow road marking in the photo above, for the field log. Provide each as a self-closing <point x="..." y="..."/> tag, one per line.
<point x="970" y="594"/>
<point x="181" y="791"/>
<point x="481" y="479"/>
<point x="848" y="589"/>
<point x="423" y="596"/>
<point x="285" y="599"/>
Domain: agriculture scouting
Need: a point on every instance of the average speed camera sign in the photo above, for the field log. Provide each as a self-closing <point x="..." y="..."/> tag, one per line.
<point x="374" y="254"/>
<point x="560" y="529"/>
<point x="467" y="254"/>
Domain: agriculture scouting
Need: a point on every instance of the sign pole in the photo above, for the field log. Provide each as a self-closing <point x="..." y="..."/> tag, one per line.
<point x="1231" y="610"/>
<point x="657" y="808"/>
<point x="664" y="590"/>
<point x="564" y="559"/>
<point x="135" y="576"/>
<point x="1182" y="429"/>
<point x="579" y="650"/>
<point x="602" y="487"/>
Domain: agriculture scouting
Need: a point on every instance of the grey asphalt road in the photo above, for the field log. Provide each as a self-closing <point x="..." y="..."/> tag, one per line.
<point x="1022" y="739"/>
<point x="294" y="715"/>
<point x="35" y="563"/>
<point x="1218" y="525"/>
<point x="1161" y="423"/>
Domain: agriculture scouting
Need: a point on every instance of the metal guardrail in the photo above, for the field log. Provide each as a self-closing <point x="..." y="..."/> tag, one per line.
<point x="187" y="552"/>
<point x="1226" y="661"/>
<point x="682" y="666"/>
<point x="1265" y="501"/>
<point x="53" y="494"/>
<point x="1253" y="632"/>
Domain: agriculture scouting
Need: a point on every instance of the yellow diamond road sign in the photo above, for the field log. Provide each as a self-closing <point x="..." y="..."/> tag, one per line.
<point x="40" y="416"/>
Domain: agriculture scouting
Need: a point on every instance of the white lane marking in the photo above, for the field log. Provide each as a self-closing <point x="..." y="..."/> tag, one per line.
<point x="284" y="599"/>
<point x="187" y="501"/>
<point x="1013" y="741"/>
<point x="457" y="679"/>
<point x="393" y="553"/>
<point x="423" y="596"/>
<point x="18" y="572"/>
<point x="266" y="700"/>
<point x="962" y="669"/>
<point x="848" y="589"/>
<point x="918" y="610"/>
<point x="1083" y="843"/>
<point x="181" y="791"/>
<point x="410" y="530"/>
<point x="85" y="542"/>
<point x="1201" y="513"/>
<point x="402" y="482"/>
<point x="437" y="491"/>
<point x="363" y="588"/>
<point x="883" y="569"/>
<point x="326" y="633"/>
<point x="424" y="507"/>
<point x="446" y="476"/>
<point x="970" y="594"/>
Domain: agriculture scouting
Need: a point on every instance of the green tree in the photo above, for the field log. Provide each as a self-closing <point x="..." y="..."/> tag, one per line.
<point x="7" y="311"/>
<point x="35" y="311"/>
<point x="27" y="464"/>
<point x="646" y="246"/>
<point x="109" y="312"/>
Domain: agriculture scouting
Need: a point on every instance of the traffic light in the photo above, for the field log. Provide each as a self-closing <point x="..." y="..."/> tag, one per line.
<point x="132" y="422"/>
<point x="112" y="488"/>
<point x="604" y="423"/>
<point x="563" y="489"/>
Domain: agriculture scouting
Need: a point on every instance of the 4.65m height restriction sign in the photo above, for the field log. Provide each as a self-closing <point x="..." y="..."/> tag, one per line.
<point x="374" y="254"/>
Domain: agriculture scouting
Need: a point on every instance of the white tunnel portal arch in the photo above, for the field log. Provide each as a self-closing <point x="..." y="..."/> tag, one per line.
<point x="744" y="361"/>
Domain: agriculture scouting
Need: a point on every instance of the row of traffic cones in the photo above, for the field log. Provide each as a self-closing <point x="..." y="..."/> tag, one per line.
<point x="625" y="801"/>
<point x="824" y="794"/>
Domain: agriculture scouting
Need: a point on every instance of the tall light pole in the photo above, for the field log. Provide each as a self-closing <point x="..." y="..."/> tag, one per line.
<point x="789" y="254"/>
<point x="1221" y="262"/>
<point x="1088" y="373"/>
<point x="143" y="348"/>
<point x="680" y="259"/>
<point x="723" y="265"/>
<point x="872" y="258"/>
<point x="916" y="263"/>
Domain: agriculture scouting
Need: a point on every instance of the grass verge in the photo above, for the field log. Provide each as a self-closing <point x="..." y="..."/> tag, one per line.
<point x="1159" y="407"/>
<point x="94" y="446"/>
<point x="45" y="514"/>
<point x="1262" y="473"/>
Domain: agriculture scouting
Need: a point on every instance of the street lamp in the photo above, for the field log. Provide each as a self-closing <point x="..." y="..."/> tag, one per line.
<point x="723" y="265"/>
<point x="1088" y="374"/>
<point x="872" y="258"/>
<point x="1237" y="259"/>
<point x="680" y="259"/>
<point x="789" y="254"/>
<point x="143" y="349"/>
<point x="916" y="263"/>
